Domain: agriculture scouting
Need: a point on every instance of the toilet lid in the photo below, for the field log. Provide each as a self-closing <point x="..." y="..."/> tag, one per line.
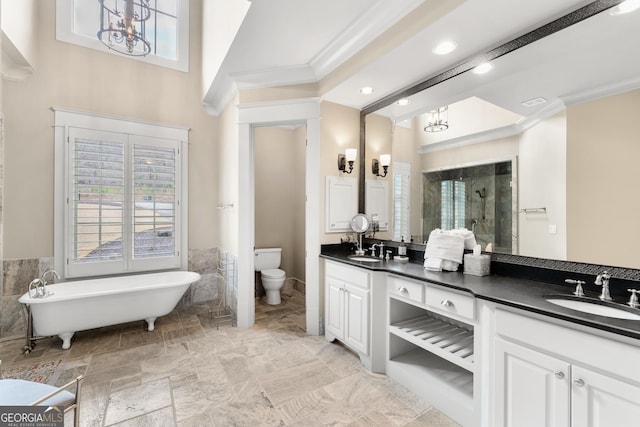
<point x="273" y="273"/>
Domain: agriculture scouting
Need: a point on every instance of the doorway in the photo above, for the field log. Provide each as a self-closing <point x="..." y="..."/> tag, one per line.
<point x="279" y="153"/>
<point x="268" y="114"/>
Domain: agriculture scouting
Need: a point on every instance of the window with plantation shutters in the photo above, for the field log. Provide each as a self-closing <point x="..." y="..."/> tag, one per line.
<point x="122" y="192"/>
<point x="453" y="204"/>
<point x="401" y="201"/>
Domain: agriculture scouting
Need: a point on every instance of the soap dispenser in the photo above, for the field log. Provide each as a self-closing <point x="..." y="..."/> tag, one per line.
<point x="402" y="248"/>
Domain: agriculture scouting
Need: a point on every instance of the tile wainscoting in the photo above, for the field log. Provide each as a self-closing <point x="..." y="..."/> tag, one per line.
<point x="217" y="268"/>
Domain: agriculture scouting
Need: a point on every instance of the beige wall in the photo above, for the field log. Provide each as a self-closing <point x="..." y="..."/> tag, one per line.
<point x="87" y="80"/>
<point x="602" y="179"/>
<point x="339" y="130"/>
<point x="280" y="194"/>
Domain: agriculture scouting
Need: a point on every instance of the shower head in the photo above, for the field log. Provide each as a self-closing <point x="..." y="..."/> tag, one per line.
<point x="482" y="193"/>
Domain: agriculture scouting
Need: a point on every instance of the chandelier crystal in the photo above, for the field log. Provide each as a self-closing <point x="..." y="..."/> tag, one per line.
<point x="122" y="26"/>
<point x="437" y="120"/>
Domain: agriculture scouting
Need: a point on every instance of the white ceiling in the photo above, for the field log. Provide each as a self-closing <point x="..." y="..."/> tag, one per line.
<point x="287" y="42"/>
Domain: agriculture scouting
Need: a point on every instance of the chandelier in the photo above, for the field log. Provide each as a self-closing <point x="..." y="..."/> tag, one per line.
<point x="437" y="120"/>
<point x="122" y="26"/>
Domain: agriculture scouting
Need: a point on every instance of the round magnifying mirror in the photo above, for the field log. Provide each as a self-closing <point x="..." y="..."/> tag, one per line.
<point x="360" y="223"/>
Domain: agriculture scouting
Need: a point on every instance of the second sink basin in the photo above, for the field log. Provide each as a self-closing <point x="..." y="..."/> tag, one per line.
<point x="593" y="307"/>
<point x="364" y="258"/>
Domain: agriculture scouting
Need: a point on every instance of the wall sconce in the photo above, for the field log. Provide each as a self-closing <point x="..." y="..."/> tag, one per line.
<point x="349" y="156"/>
<point x="385" y="161"/>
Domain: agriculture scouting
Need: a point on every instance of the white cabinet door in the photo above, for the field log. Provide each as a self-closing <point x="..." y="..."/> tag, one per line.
<point x="377" y="202"/>
<point x="532" y="389"/>
<point x="357" y="318"/>
<point x="341" y="203"/>
<point x="335" y="307"/>
<point x="601" y="401"/>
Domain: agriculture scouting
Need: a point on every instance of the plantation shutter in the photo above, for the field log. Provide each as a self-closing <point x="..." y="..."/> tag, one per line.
<point x="154" y="195"/>
<point x="401" y="200"/>
<point x="97" y="197"/>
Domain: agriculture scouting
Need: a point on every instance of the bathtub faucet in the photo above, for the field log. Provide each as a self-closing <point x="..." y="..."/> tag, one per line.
<point x="46" y="273"/>
<point x="37" y="288"/>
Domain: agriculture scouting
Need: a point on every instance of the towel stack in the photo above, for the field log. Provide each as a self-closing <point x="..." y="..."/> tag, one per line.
<point x="445" y="248"/>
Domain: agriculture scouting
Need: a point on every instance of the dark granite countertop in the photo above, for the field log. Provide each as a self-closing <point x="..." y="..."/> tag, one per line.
<point x="516" y="292"/>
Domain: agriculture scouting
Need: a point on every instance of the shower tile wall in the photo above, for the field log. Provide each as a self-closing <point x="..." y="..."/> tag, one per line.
<point x="16" y="275"/>
<point x="491" y="214"/>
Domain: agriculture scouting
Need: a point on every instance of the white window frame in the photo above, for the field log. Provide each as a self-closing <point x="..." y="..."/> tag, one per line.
<point x="65" y="33"/>
<point x="64" y="120"/>
<point x="401" y="220"/>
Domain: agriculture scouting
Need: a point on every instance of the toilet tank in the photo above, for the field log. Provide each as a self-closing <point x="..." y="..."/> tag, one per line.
<point x="267" y="258"/>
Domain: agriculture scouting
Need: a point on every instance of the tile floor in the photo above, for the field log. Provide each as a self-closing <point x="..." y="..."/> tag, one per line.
<point x="189" y="373"/>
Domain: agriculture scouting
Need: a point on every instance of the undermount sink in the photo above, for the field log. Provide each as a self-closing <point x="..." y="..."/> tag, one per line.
<point x="593" y="307"/>
<point x="364" y="258"/>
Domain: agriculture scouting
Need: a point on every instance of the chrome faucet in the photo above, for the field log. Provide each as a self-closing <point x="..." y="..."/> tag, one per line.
<point x="48" y="272"/>
<point x="602" y="279"/>
<point x="373" y="249"/>
<point x="579" y="292"/>
<point x="381" y="246"/>
<point x="37" y="288"/>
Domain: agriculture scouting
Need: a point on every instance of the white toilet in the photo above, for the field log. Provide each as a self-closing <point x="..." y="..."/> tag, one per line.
<point x="267" y="261"/>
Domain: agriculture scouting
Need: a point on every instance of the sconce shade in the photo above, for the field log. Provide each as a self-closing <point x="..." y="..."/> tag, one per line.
<point x="385" y="161"/>
<point x="351" y="154"/>
<point x="349" y="157"/>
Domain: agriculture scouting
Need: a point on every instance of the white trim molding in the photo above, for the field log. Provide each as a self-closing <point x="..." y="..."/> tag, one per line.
<point x="306" y="111"/>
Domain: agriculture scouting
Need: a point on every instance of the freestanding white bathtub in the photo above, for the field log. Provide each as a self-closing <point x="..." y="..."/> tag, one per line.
<point x="86" y="304"/>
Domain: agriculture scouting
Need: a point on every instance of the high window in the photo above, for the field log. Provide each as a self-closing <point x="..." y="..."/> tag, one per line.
<point x="166" y="29"/>
<point x="121" y="185"/>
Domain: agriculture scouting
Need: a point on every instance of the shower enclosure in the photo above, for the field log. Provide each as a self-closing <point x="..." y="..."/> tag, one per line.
<point x="478" y="198"/>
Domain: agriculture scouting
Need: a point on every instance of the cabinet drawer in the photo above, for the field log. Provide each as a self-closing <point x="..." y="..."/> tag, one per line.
<point x="450" y="301"/>
<point x="406" y="289"/>
<point x="353" y="275"/>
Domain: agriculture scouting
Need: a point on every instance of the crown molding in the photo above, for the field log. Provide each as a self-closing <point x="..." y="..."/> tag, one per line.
<point x="360" y="33"/>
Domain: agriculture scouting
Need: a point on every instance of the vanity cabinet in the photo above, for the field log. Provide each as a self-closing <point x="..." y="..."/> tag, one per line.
<point x="351" y="300"/>
<point x="348" y="313"/>
<point x="431" y="345"/>
<point x="550" y="375"/>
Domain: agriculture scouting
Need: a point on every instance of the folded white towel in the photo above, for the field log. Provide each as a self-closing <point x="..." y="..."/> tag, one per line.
<point x="445" y="245"/>
<point x="469" y="237"/>
<point x="433" y="264"/>
<point x="450" y="266"/>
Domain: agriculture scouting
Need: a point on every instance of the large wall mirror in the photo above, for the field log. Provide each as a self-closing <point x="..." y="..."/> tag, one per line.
<point x="561" y="115"/>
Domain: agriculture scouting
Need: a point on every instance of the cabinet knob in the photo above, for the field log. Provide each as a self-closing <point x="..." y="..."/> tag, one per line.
<point x="402" y="290"/>
<point x="579" y="382"/>
<point x="559" y="375"/>
<point x="446" y="303"/>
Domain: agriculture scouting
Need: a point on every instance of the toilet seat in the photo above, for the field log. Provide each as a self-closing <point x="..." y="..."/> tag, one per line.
<point x="273" y="273"/>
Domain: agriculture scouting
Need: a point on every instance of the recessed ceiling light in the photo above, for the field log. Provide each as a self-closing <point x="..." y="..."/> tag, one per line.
<point x="627" y="6"/>
<point x="445" y="47"/>
<point x="367" y="90"/>
<point x="483" y="68"/>
<point x="404" y="101"/>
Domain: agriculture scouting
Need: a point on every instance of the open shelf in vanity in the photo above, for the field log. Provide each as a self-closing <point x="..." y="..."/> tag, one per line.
<point x="429" y="352"/>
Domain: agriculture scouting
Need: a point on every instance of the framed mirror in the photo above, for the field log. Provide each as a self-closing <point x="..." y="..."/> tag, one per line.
<point x="562" y="105"/>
